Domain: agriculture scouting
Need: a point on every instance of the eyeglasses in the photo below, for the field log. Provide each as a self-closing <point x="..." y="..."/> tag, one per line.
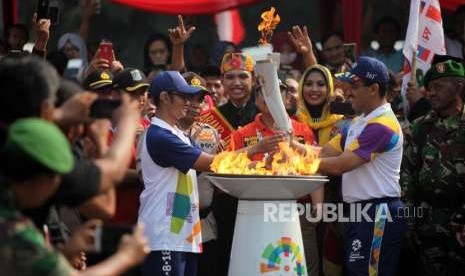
<point x="192" y="98"/>
<point x="185" y="97"/>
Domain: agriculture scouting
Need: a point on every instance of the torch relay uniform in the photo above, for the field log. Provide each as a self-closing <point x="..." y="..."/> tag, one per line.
<point x="169" y="203"/>
<point x="372" y="246"/>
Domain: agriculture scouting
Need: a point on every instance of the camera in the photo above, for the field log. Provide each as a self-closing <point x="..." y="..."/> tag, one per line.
<point x="341" y="108"/>
<point x="107" y="237"/>
<point x="104" y="108"/>
<point x="49" y="9"/>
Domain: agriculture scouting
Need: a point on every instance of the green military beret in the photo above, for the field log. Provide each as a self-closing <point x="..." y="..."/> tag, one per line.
<point x="448" y="68"/>
<point x="43" y="142"/>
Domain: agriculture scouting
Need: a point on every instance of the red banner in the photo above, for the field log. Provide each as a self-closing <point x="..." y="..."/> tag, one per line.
<point x="451" y="4"/>
<point x="185" y="7"/>
<point x="215" y="119"/>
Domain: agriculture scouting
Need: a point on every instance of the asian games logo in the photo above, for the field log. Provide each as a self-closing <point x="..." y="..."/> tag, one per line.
<point x="283" y="258"/>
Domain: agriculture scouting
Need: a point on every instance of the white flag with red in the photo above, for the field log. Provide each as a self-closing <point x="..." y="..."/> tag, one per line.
<point x="424" y="39"/>
<point x="229" y="26"/>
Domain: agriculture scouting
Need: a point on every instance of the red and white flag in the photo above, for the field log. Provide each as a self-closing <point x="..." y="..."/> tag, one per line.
<point x="425" y="38"/>
<point x="229" y="26"/>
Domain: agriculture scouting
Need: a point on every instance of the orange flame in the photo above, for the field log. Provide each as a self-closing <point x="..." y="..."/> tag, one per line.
<point x="268" y="25"/>
<point x="287" y="161"/>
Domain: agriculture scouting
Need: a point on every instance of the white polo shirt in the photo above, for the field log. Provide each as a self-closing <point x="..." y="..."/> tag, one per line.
<point x="377" y="138"/>
<point x="169" y="203"/>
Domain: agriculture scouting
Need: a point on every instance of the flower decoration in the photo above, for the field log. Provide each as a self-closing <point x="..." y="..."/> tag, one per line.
<point x="237" y="61"/>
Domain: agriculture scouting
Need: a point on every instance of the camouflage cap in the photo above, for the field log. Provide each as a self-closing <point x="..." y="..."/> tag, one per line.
<point x="448" y="68"/>
<point x="43" y="142"/>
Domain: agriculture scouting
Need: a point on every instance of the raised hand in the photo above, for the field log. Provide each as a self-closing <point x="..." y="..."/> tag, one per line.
<point x="134" y="247"/>
<point x="90" y="8"/>
<point x="414" y="93"/>
<point x="75" y="110"/>
<point x="116" y="66"/>
<point x="42" y="31"/>
<point x="180" y="35"/>
<point x="97" y="63"/>
<point x="301" y="39"/>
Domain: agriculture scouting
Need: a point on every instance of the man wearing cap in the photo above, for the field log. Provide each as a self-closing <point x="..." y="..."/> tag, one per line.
<point x="169" y="202"/>
<point x="43" y="152"/>
<point x="368" y="157"/>
<point x="206" y="102"/>
<point x="206" y="138"/>
<point x="238" y="79"/>
<point x="100" y="81"/>
<point x="433" y="172"/>
<point x="212" y="75"/>
<point x="132" y="82"/>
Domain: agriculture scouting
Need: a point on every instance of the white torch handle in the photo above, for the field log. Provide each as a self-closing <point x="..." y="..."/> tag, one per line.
<point x="267" y="76"/>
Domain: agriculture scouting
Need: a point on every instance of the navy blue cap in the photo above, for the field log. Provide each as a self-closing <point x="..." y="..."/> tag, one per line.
<point x="367" y="68"/>
<point x="171" y="81"/>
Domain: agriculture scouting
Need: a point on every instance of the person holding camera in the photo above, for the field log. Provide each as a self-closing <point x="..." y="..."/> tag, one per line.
<point x="41" y="149"/>
<point x="88" y="178"/>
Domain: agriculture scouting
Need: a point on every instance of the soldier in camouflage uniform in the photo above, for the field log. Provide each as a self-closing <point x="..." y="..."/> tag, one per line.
<point x="37" y="152"/>
<point x="433" y="173"/>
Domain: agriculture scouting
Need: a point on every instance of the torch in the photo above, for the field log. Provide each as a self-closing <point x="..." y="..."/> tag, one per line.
<point x="266" y="72"/>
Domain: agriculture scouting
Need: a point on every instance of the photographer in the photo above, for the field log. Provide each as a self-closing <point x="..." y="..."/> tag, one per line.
<point x="35" y="97"/>
<point x="39" y="147"/>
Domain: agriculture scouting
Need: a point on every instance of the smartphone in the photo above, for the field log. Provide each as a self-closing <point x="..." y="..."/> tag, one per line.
<point x="104" y="108"/>
<point x="49" y="9"/>
<point x="107" y="237"/>
<point x="74" y="69"/>
<point x="42" y="9"/>
<point x="342" y="108"/>
<point x="106" y="51"/>
<point x="350" y="50"/>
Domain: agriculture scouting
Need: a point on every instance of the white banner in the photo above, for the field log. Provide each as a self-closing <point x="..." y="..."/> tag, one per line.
<point x="425" y="38"/>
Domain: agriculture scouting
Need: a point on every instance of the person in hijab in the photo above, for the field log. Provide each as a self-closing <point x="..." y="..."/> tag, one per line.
<point x="315" y="88"/>
<point x="73" y="46"/>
